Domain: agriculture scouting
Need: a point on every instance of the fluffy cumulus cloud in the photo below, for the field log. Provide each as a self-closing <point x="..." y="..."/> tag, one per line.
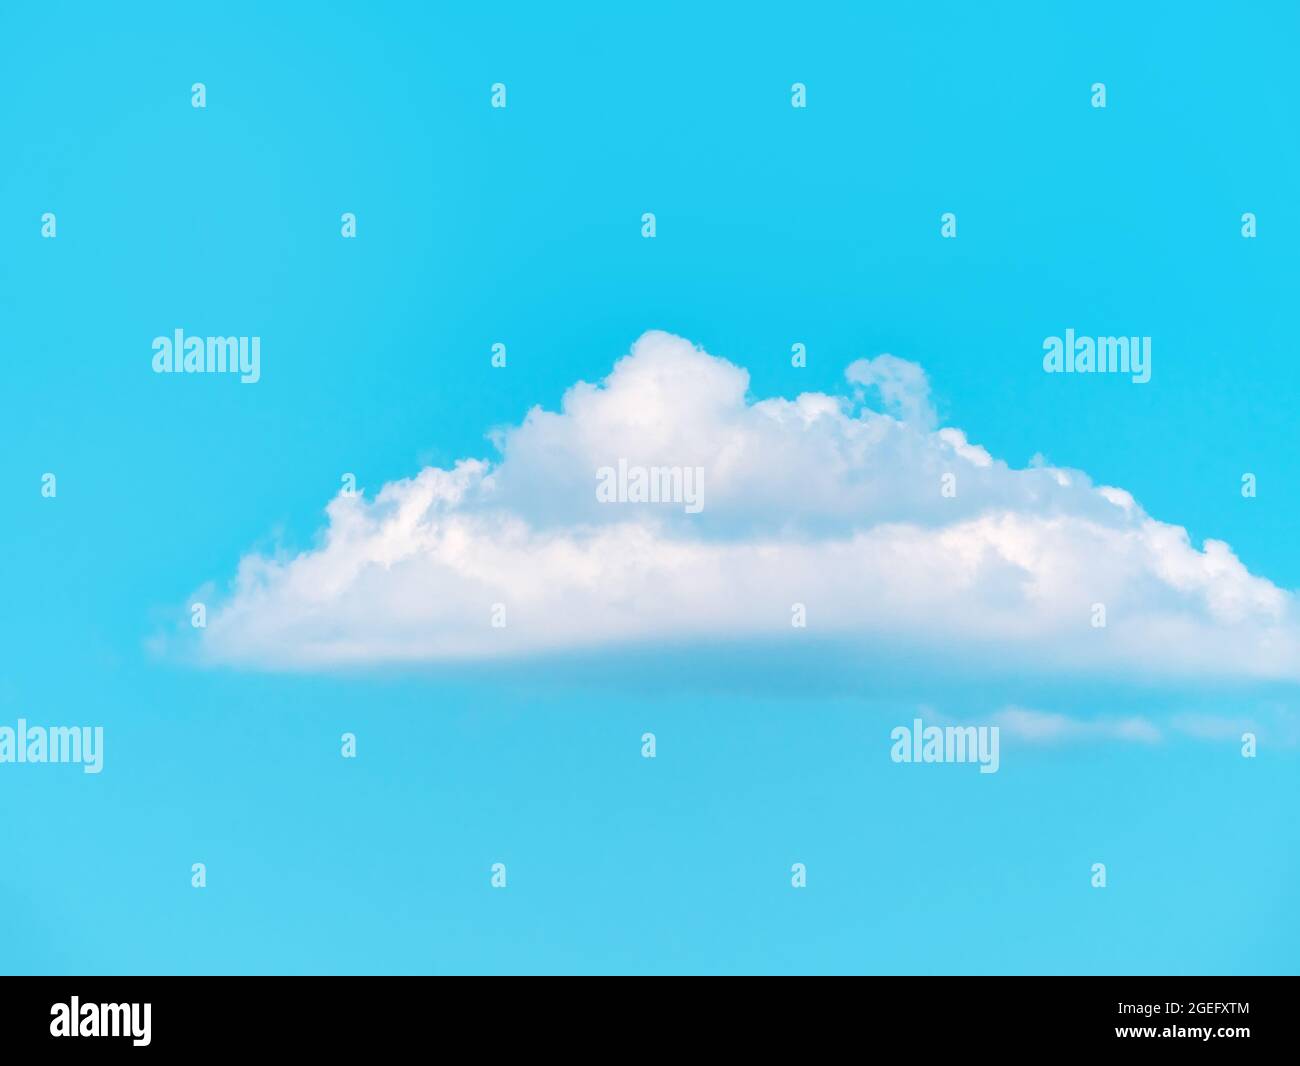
<point x="822" y="500"/>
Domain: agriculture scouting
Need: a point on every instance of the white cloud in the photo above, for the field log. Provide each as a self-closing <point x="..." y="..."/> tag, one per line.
<point x="904" y="389"/>
<point x="1046" y="727"/>
<point x="1212" y="726"/>
<point x="817" y="500"/>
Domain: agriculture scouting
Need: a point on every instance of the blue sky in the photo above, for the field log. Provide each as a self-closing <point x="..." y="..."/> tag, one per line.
<point x="522" y="226"/>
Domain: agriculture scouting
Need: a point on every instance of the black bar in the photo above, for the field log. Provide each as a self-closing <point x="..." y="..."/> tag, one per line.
<point x="344" y="1016"/>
